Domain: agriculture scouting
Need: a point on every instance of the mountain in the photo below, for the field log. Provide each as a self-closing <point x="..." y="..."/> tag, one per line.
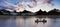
<point x="40" y="12"/>
<point x="5" y="12"/>
<point x="54" y="12"/>
<point x="25" y="11"/>
<point x="51" y="12"/>
<point x="1" y="13"/>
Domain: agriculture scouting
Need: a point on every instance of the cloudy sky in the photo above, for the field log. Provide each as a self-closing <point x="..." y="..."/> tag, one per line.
<point x="30" y="5"/>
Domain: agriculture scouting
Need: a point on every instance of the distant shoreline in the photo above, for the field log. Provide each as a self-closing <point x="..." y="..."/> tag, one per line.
<point x="30" y="15"/>
<point x="38" y="16"/>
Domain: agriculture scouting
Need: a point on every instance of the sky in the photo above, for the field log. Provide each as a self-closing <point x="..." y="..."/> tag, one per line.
<point x="57" y="4"/>
<point x="30" y="5"/>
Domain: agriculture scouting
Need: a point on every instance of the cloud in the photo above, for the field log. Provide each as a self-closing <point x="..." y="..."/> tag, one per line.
<point x="36" y="5"/>
<point x="7" y="5"/>
<point x="32" y="5"/>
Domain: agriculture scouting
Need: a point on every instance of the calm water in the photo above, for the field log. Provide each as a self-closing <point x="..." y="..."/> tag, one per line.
<point x="28" y="21"/>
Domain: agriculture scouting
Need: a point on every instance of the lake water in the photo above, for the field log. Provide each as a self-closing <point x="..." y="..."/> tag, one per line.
<point x="28" y="21"/>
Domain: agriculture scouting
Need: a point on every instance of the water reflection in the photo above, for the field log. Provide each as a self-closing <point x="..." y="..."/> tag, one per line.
<point x="28" y="21"/>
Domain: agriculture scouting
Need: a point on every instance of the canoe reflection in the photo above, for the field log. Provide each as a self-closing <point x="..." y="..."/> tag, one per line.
<point x="43" y="21"/>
